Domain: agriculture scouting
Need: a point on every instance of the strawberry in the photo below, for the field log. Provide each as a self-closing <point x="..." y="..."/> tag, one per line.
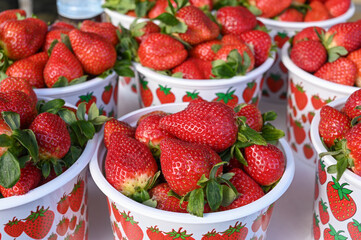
<point x="165" y="201"/>
<point x="355" y="57"/>
<point x="290" y="15"/>
<point x="104" y="29"/>
<point x="249" y="190"/>
<point x="11" y="14"/>
<point x="29" y="35"/>
<point x="280" y="39"/>
<point x="202" y="4"/>
<point x="52" y="36"/>
<point x="30" y="69"/>
<point x="265" y="164"/>
<point x="156" y="112"/>
<point x="39" y="223"/>
<point x="161" y="52"/>
<point x="333" y="125"/>
<point x="61" y="25"/>
<point x="354" y="148"/>
<point x="322" y="206"/>
<point x="88" y="99"/>
<point x="337" y="7"/>
<point x="269" y="8"/>
<point x="61" y="63"/>
<point x="141" y="30"/>
<point x="129" y="164"/>
<point x="95" y="54"/>
<point x="219" y="134"/>
<point x="194" y="68"/>
<point x="206" y="50"/>
<point x="200" y="27"/>
<point x="11" y="83"/>
<point x="252" y="114"/>
<point x="309" y="55"/>
<point x="159" y="8"/>
<point x="342" y="71"/>
<point x="76" y="195"/>
<point x="275" y="82"/>
<point x="114" y="125"/>
<point x="317" y="12"/>
<point x="352" y="102"/>
<point x="62" y="226"/>
<point x="354" y="228"/>
<point x="308" y="33"/>
<point x="149" y="132"/>
<point x="63" y="204"/>
<point x="14" y="228"/>
<point x="260" y="42"/>
<point x="52" y="136"/>
<point x="235" y="20"/>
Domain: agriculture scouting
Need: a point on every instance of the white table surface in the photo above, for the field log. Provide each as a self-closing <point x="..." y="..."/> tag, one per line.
<point x="291" y="219"/>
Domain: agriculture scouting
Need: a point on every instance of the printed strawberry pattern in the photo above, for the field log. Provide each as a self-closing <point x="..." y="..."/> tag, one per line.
<point x="65" y="219"/>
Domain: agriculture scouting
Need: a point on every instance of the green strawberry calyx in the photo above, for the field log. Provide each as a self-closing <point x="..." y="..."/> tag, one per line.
<point x="236" y="65"/>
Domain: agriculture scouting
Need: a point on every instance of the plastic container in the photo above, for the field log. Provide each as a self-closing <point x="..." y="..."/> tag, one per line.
<point x="71" y="186"/>
<point x="79" y="9"/>
<point x="275" y="87"/>
<point x="104" y="92"/>
<point x="343" y="220"/>
<point x="155" y="89"/>
<point x="250" y="220"/>
<point x="306" y="95"/>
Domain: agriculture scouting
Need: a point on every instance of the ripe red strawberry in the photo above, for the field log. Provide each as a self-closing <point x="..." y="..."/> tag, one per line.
<point x="52" y="136"/>
<point x="235" y="20"/>
<point x="114" y="125"/>
<point x="219" y="133"/>
<point x="331" y="233"/>
<point x="156" y="112"/>
<point x="165" y="95"/>
<point x="159" y="8"/>
<point x="54" y="35"/>
<point x="202" y="4"/>
<point x="193" y="160"/>
<point x="252" y="114"/>
<point x="206" y="50"/>
<point x="104" y="29"/>
<point x="61" y="25"/>
<point x="317" y="12"/>
<point x="11" y="14"/>
<point x="11" y="83"/>
<point x="228" y="98"/>
<point x="270" y="8"/>
<point x="290" y="15"/>
<point x="342" y="71"/>
<point x="131" y="227"/>
<point x="30" y="69"/>
<point x="88" y="99"/>
<point x="352" y="102"/>
<point x="194" y="68"/>
<point x="309" y="55"/>
<point x="333" y="125"/>
<point x="95" y="54"/>
<point x="354" y="228"/>
<point x="141" y="30"/>
<point x="260" y="42"/>
<point x="149" y="132"/>
<point x="145" y="93"/>
<point x="19" y="102"/>
<point x="61" y="63"/>
<point x="76" y="195"/>
<point x="159" y="193"/>
<point x="200" y="27"/>
<point x="63" y="204"/>
<point x="29" y="35"/>
<point x="355" y="57"/>
<point x="129" y="164"/>
<point x="161" y="52"/>
<point x="14" y="228"/>
<point x="266" y="164"/>
<point x="62" y="226"/>
<point x="309" y="33"/>
<point x="249" y="190"/>
<point x="341" y="203"/>
<point x="337" y="7"/>
<point x="39" y="223"/>
<point x="322" y="206"/>
<point x="354" y="148"/>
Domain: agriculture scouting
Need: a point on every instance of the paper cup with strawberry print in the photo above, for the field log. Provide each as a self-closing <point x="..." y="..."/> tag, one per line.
<point x="305" y="97"/>
<point x="54" y="210"/>
<point x="134" y="220"/>
<point x="103" y="92"/>
<point x="337" y="209"/>
<point x="156" y="89"/>
<point x="127" y="95"/>
<point x="275" y="86"/>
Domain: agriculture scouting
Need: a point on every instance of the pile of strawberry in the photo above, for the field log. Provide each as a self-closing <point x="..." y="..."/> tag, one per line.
<point x="39" y="140"/>
<point x="340" y="131"/>
<point x="191" y="44"/>
<point x="333" y="55"/>
<point x="205" y="158"/>
<point x="56" y="55"/>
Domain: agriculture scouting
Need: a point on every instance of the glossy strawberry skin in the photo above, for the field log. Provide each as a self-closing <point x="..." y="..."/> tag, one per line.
<point x="183" y="164"/>
<point x="10" y="14"/>
<point x="333" y="125"/>
<point x="62" y="62"/>
<point x="22" y="38"/>
<point x="352" y="102"/>
<point x="347" y="35"/>
<point x="353" y="138"/>
<point x="337" y="7"/>
<point x="266" y="164"/>
<point x="309" y="55"/>
<point x="317" y="12"/>
<point x="104" y="29"/>
<point x="270" y="8"/>
<point x="52" y="36"/>
<point x="210" y="123"/>
<point x="113" y="125"/>
<point x="52" y="136"/>
<point x="165" y="202"/>
<point x="161" y="52"/>
<point x="95" y="54"/>
<point x="150" y="27"/>
<point x="11" y="83"/>
<point x="309" y="33"/>
<point x="355" y="57"/>
<point x="290" y="15"/>
<point x="204" y="50"/>
<point x="253" y="116"/>
<point x="194" y="68"/>
<point x="129" y="164"/>
<point x="61" y="25"/>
